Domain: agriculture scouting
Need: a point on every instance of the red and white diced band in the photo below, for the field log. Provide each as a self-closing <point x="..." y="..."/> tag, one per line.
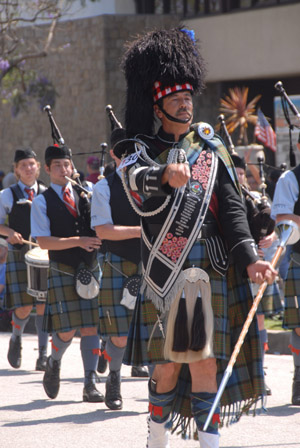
<point x="160" y="93"/>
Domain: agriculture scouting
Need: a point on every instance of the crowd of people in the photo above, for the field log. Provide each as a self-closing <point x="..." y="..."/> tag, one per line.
<point x="158" y="265"/>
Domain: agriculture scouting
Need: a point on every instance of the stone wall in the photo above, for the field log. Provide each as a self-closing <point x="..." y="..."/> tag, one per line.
<point x="87" y="77"/>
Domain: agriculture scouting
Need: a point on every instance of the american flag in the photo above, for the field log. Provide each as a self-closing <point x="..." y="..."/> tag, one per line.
<point x="264" y="132"/>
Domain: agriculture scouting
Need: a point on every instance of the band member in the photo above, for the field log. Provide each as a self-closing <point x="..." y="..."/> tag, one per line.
<point x="262" y="229"/>
<point x="193" y="218"/>
<point x="286" y="205"/>
<point x="118" y="226"/>
<point x="60" y="221"/>
<point x="15" y="203"/>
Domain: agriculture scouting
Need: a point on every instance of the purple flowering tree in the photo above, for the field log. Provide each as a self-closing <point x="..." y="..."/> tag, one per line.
<point x="18" y="83"/>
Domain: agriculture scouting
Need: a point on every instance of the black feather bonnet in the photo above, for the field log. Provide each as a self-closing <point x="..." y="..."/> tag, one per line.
<point x="169" y="57"/>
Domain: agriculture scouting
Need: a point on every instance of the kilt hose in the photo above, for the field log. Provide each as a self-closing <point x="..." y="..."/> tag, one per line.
<point x="291" y="315"/>
<point x="114" y="317"/>
<point x="231" y="302"/>
<point x="65" y="310"/>
<point x="16" y="280"/>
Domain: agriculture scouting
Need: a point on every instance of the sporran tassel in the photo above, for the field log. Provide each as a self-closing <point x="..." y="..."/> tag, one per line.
<point x="198" y="334"/>
<point x="181" y="334"/>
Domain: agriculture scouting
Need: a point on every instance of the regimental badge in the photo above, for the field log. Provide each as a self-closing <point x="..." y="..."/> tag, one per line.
<point x="205" y="131"/>
<point x="195" y="188"/>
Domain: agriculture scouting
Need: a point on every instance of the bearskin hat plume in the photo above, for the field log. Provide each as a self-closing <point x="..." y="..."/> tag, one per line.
<point x="168" y="56"/>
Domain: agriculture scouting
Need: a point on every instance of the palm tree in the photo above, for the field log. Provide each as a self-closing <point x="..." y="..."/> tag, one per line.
<point x="238" y="114"/>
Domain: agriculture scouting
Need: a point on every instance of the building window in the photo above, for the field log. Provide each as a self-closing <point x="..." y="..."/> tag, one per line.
<point x="191" y="8"/>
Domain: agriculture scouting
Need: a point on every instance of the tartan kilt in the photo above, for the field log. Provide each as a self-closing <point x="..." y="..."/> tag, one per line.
<point x="114" y="317"/>
<point x="65" y="310"/>
<point x="231" y="302"/>
<point x="291" y="315"/>
<point x="270" y="303"/>
<point x="16" y="280"/>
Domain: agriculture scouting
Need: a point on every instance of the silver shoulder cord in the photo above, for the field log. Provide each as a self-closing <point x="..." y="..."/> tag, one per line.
<point x="175" y="155"/>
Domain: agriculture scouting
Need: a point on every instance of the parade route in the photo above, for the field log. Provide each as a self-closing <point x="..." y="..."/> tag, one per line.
<point x="28" y="419"/>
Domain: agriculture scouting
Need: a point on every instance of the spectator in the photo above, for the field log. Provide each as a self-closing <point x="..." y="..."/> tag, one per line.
<point x="9" y="179"/>
<point x="93" y="169"/>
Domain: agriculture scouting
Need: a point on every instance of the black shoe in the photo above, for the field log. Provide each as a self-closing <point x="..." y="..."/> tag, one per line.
<point x="296" y="387"/>
<point x="41" y="363"/>
<point x="51" y="378"/>
<point x="139" y="372"/>
<point x="102" y="363"/>
<point x="113" y="397"/>
<point x="14" y="352"/>
<point x="90" y="392"/>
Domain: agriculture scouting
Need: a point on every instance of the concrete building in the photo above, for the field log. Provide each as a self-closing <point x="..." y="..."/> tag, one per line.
<point x="252" y="46"/>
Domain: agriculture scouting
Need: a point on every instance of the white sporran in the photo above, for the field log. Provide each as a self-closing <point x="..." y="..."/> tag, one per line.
<point x="131" y="288"/>
<point x="86" y="284"/>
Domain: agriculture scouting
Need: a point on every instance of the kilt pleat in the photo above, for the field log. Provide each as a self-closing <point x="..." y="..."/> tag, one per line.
<point x="114" y="317"/>
<point x="16" y="280"/>
<point x="65" y="310"/>
<point x="291" y="315"/>
<point x="270" y="303"/>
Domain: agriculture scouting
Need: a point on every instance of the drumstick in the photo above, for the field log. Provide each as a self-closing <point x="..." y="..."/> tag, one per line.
<point x="30" y="242"/>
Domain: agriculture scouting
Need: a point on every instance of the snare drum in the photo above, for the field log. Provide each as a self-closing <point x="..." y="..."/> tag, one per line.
<point x="37" y="261"/>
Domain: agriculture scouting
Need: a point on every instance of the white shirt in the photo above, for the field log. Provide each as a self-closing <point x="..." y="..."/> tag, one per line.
<point x="7" y="199"/>
<point x="101" y="211"/>
<point x="286" y="194"/>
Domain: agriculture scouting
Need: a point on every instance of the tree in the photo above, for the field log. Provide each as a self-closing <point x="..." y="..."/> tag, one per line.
<point x="238" y="113"/>
<point x="18" y="83"/>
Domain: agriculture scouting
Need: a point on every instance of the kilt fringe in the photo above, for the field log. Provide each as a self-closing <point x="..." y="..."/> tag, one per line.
<point x="229" y="414"/>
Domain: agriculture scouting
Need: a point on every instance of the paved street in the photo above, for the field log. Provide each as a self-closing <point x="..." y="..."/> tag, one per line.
<point x="28" y="419"/>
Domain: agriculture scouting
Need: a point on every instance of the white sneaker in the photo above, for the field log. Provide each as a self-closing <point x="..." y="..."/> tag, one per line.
<point x="208" y="440"/>
<point x="158" y="435"/>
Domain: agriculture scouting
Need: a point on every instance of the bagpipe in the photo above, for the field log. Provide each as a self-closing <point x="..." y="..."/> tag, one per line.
<point x="259" y="211"/>
<point x="84" y="194"/>
<point x="86" y="284"/>
<point x="58" y="140"/>
<point x="287" y="105"/>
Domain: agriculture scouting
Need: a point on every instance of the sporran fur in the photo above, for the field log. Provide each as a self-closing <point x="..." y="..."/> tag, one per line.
<point x="196" y="284"/>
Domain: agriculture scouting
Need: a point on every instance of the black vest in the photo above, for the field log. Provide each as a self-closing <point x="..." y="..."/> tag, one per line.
<point x="123" y="215"/>
<point x="19" y="216"/>
<point x="64" y="225"/>
<point x="296" y="171"/>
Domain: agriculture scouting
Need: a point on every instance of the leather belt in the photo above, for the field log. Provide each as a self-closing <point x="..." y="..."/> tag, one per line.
<point x="208" y="229"/>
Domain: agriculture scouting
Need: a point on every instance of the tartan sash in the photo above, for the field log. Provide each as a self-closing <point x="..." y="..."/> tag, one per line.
<point x="163" y="260"/>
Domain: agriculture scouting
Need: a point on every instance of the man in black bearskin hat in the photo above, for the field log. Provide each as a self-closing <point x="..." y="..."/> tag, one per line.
<point x="193" y="299"/>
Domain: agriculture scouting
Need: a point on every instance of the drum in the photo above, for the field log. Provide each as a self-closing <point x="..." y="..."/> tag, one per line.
<point x="37" y="272"/>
